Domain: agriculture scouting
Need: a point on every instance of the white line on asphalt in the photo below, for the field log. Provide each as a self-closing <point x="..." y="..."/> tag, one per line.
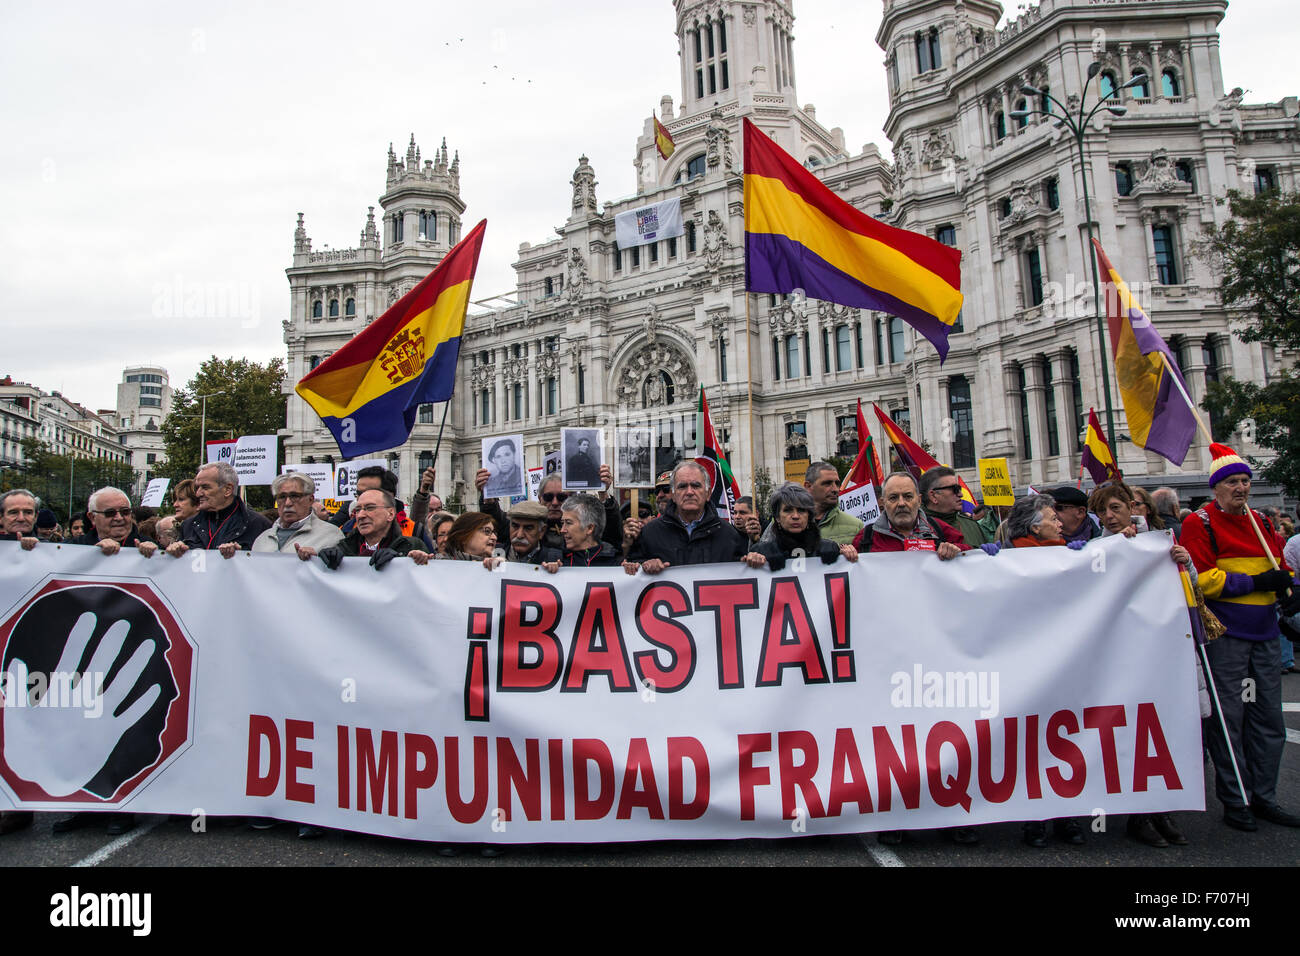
<point x="108" y="849"/>
<point x="1290" y="707"/>
<point x="1292" y="736"/>
<point x="882" y="855"/>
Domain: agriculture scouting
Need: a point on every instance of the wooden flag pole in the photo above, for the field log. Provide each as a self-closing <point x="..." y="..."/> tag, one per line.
<point x="749" y="377"/>
<point x="1209" y="438"/>
<point x="635" y="510"/>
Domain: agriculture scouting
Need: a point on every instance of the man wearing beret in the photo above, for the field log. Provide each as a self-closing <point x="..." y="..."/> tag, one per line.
<point x="527" y="527"/>
<point x="1242" y="588"/>
<point x="1072" y="509"/>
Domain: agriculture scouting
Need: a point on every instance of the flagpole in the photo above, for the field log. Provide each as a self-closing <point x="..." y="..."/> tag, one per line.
<point x="438" y="445"/>
<point x="749" y="376"/>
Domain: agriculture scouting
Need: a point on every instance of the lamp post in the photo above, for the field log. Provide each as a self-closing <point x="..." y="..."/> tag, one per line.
<point x="1078" y="127"/>
<point x="203" y="423"/>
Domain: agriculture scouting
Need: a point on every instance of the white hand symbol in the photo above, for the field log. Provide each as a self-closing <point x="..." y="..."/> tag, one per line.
<point x="57" y="747"/>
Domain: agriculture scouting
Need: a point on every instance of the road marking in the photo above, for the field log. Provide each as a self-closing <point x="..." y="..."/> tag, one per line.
<point x="1291" y="708"/>
<point x="881" y="854"/>
<point x="121" y="843"/>
<point x="1292" y="736"/>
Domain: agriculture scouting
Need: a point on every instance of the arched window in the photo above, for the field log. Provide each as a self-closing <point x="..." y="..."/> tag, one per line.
<point x="694" y="169"/>
<point x="316" y="309"/>
<point x="334" y="308"/>
<point x="999" y="125"/>
<point x="424" y="225"/>
<point x="927" y="50"/>
<point x="1169" y="83"/>
<point x="1022" y="121"/>
<point x="1108" y="85"/>
<point x="350" y="307"/>
<point x="1143" y="89"/>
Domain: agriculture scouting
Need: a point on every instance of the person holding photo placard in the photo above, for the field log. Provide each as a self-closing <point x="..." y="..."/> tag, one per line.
<point x="501" y="459"/>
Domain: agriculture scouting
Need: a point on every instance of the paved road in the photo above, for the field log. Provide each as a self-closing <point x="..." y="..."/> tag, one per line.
<point x="161" y="841"/>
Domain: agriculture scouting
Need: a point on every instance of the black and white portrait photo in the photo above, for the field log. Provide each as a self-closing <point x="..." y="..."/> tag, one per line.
<point x="633" y="465"/>
<point x="582" y="458"/>
<point x="503" y="457"/>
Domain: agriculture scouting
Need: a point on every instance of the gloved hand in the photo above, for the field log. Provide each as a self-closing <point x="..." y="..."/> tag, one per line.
<point x="1271" y="581"/>
<point x="382" y="557"/>
<point x="1076" y="545"/>
<point x="991" y="549"/>
<point x="1291" y="603"/>
<point x="332" y="557"/>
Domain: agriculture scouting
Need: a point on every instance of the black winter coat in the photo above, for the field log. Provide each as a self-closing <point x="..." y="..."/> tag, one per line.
<point x="712" y="542"/>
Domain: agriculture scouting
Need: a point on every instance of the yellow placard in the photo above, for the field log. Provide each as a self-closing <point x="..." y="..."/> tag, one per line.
<point x="995" y="482"/>
<point x="332" y="505"/>
<point x="796" y="469"/>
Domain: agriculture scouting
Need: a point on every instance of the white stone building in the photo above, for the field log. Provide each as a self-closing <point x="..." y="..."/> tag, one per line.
<point x="595" y="335"/>
<point x="144" y="399"/>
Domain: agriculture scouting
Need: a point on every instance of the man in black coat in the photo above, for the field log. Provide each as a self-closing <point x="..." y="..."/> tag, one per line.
<point x="688" y="532"/>
<point x="223" y="523"/>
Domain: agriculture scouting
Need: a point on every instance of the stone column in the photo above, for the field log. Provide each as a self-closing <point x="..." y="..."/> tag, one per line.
<point x="498" y="387"/>
<point x="1034" y="390"/>
<point x="1005" y="90"/>
<point x="1153" y="75"/>
<point x="1011" y="393"/>
<point x="1066" y="428"/>
<point x="1185" y="58"/>
<point x="944" y="442"/>
<point x="1126" y="75"/>
<point x="1148" y="220"/>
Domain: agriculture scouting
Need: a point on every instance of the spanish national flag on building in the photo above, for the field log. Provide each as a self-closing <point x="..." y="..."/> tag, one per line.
<point x="367" y="392"/>
<point x="800" y="235"/>
<point x="663" y="140"/>
<point x="1097" y="457"/>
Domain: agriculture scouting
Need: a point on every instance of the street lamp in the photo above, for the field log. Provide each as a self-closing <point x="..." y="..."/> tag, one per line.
<point x="1078" y="127"/>
<point x="203" y="423"/>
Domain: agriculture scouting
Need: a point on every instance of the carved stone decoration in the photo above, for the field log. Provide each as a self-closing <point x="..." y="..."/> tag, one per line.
<point x="1225" y="110"/>
<point x="787" y="317"/>
<point x="642" y="381"/>
<point x="719" y="320"/>
<point x="793" y="443"/>
<point x="482" y="376"/>
<point x="937" y="149"/>
<point x="903" y="160"/>
<point x="300" y="241"/>
<point x="1158" y="175"/>
<point x="715" y="243"/>
<point x="848" y="435"/>
<point x="395" y="292"/>
<point x="548" y="363"/>
<point x="576" y="280"/>
<point x="515" y="371"/>
<point x="1024" y="203"/>
<point x="650" y="324"/>
<point x="718" y="140"/>
<point x="584" y="188"/>
<point x="964" y="35"/>
<point x="750" y="15"/>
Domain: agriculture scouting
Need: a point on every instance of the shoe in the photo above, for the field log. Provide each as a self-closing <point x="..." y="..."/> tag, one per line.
<point x="964" y="836"/>
<point x="1036" y="834"/>
<point x="1275" y="814"/>
<point x="262" y="823"/>
<point x="119" y="823"/>
<point x="492" y="852"/>
<point x="1143" y="829"/>
<point x="1164" y="823"/>
<point x="74" y="822"/>
<point x="890" y="837"/>
<point x="448" y="850"/>
<point x="1068" y="830"/>
<point x="11" y="821"/>
<point x="1240" y="818"/>
<point x="308" y="832"/>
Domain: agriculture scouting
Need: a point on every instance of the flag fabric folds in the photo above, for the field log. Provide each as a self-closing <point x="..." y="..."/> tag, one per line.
<point x="725" y="490"/>
<point x="915" y="458"/>
<point x="368" y="392"/>
<point x="1159" y="419"/>
<point x="663" y="139"/>
<point x="800" y="235"/>
<point x="866" y="466"/>
<point x="1097" y="457"/>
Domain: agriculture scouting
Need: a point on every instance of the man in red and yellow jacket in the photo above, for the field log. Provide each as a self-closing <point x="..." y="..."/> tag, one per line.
<point x="1242" y="589"/>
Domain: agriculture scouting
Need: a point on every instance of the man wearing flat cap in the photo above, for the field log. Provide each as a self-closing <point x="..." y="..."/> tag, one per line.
<point x="1072" y="509"/>
<point x="527" y="524"/>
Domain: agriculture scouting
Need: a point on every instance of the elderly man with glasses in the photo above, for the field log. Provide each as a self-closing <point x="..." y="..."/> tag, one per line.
<point x="112" y="526"/>
<point x="941" y="499"/>
<point x="689" y="531"/>
<point x="298" y="526"/>
<point x="375" y="533"/>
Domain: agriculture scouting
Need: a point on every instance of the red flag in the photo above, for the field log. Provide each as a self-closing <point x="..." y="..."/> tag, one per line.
<point x="866" y="466"/>
<point x="725" y="490"/>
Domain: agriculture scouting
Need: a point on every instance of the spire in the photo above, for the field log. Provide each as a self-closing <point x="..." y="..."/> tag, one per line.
<point x="443" y="161"/>
<point x="410" y="154"/>
<point x="300" y="241"/>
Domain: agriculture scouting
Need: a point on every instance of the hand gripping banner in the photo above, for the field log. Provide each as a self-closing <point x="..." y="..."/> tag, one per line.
<point x="451" y="703"/>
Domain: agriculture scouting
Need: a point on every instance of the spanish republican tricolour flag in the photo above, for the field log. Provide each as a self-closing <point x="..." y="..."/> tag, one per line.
<point x="800" y="235"/>
<point x="1097" y="457"/>
<point x="663" y="139"/>
<point x="1159" y="419"/>
<point x="367" y="392"/>
<point x="916" y="459"/>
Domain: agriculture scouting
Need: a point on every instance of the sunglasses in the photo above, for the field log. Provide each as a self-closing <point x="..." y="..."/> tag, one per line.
<point x="955" y="489"/>
<point x="115" y="512"/>
<point x="551" y="496"/>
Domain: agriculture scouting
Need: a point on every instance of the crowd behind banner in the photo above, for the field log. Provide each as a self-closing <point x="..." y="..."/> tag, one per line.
<point x="1245" y="581"/>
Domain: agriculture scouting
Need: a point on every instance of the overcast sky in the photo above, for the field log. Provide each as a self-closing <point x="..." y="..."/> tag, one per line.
<point x="150" y="148"/>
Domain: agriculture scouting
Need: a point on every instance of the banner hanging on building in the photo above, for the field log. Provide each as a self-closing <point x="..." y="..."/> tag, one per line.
<point x="639" y="227"/>
<point x="452" y="703"/>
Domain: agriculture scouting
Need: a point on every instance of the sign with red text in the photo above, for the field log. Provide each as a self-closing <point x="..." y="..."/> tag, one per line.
<point x="452" y="703"/>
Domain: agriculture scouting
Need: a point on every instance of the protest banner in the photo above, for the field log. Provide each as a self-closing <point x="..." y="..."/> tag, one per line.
<point x="153" y="494"/>
<point x="345" y="476"/>
<point x="220" y="450"/>
<point x="535" y="482"/>
<point x="796" y="469"/>
<point x="995" y="482"/>
<point x="321" y="474"/>
<point x="255" y="459"/>
<point x="452" y="703"/>
<point x="860" y="501"/>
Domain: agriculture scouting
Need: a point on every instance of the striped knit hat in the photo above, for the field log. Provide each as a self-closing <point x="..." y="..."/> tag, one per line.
<point x="1226" y="462"/>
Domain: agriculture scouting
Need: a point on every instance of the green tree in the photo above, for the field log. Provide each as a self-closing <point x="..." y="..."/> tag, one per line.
<point x="245" y="398"/>
<point x="62" y="479"/>
<point x="1257" y="254"/>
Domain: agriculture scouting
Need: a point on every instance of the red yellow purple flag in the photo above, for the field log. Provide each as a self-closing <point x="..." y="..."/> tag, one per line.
<point x="915" y="458"/>
<point x="800" y="235"/>
<point x="368" y="392"/>
<point x="866" y="466"/>
<point x="1097" y="457"/>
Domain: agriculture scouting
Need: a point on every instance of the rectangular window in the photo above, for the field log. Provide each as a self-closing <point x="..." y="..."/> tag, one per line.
<point x="548" y="288"/>
<point x="895" y="339"/>
<point x="880" y="342"/>
<point x="857" y="340"/>
<point x="713" y="79"/>
<point x="485" y="406"/>
<point x="552" y="395"/>
<point x="1052" y="193"/>
<point x="582" y="384"/>
<point x="849" y="447"/>
<point x="690" y="238"/>
<point x="672" y="248"/>
<point x="946" y="235"/>
<point x="959" y="410"/>
<point x="636" y="257"/>
<point x="807" y="357"/>
<point x="842" y="360"/>
<point x="726" y="76"/>
<point x="1034" y="279"/>
<point x="1166" y="266"/>
<point x="794" y="450"/>
<point x="776" y="358"/>
<point x="826" y="349"/>
<point x="618" y="259"/>
<point x="791" y="356"/>
<point x="722" y="359"/>
<point x="1264" y="181"/>
<point x="654" y="252"/>
<point x="1049" y="396"/>
<point x="426" y="414"/>
<point x="699" y="84"/>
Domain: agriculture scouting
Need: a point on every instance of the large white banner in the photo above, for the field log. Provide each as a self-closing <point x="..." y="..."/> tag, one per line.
<point x="449" y="702"/>
<point x="639" y="227"/>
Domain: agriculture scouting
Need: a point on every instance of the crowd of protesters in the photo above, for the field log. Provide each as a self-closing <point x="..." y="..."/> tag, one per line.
<point x="1250" y="592"/>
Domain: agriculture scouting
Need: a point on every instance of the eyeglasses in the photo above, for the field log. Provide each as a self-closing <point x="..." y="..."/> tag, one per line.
<point x="294" y="496"/>
<point x="115" y="512"/>
<point x="369" y="509"/>
<point x="955" y="489"/>
<point x="551" y="496"/>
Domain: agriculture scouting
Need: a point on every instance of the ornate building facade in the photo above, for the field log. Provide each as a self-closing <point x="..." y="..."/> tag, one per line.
<point x="596" y="335"/>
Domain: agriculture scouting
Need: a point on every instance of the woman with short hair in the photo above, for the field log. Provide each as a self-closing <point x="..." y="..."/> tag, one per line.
<point x="794" y="533"/>
<point x="439" y="524"/>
